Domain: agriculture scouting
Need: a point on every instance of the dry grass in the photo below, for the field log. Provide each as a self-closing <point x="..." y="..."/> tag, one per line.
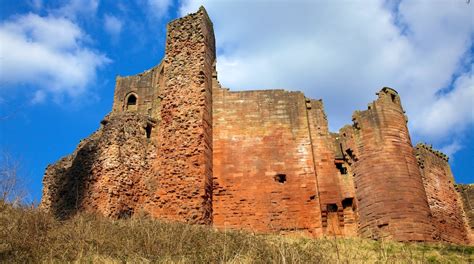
<point x="30" y="236"/>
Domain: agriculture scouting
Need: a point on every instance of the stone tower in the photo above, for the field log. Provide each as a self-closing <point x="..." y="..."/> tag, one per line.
<point x="389" y="188"/>
<point x="184" y="163"/>
<point x="153" y="152"/>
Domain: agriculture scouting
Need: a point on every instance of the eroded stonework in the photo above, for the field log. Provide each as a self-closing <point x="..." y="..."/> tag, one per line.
<point x="178" y="146"/>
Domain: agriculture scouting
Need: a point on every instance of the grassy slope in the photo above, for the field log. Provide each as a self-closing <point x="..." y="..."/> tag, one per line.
<point x="29" y="236"/>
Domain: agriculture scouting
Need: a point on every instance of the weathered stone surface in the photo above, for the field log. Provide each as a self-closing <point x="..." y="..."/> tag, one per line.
<point x="444" y="201"/>
<point x="466" y="191"/>
<point x="390" y="194"/>
<point x="184" y="163"/>
<point x="178" y="146"/>
<point x="105" y="173"/>
<point x="263" y="165"/>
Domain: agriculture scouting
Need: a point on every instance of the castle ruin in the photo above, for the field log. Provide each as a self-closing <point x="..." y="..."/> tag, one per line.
<point x="178" y="146"/>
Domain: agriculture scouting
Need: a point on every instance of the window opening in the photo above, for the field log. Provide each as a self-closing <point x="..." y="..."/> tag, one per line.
<point x="341" y="168"/>
<point x="347" y="202"/>
<point x="132" y="102"/>
<point x="331" y="207"/>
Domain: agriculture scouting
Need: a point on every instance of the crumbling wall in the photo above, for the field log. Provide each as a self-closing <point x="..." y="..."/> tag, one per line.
<point x="390" y="194"/>
<point x="466" y="192"/>
<point x="106" y="172"/>
<point x="264" y="178"/>
<point x="445" y="203"/>
<point x="335" y="183"/>
<point x="184" y="164"/>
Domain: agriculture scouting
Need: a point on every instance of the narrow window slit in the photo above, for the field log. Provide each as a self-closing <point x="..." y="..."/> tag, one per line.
<point x="148" y="130"/>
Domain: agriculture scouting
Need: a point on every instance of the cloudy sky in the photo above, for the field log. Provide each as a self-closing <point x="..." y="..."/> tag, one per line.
<point x="59" y="59"/>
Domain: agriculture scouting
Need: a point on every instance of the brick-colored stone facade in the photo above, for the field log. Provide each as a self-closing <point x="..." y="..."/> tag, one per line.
<point x="444" y="201"/>
<point x="389" y="191"/>
<point x="178" y="146"/>
<point x="467" y="196"/>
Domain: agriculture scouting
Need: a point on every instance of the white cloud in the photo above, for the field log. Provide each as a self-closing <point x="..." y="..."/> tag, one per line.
<point x="450" y="113"/>
<point x="113" y="25"/>
<point x="47" y="53"/>
<point x="346" y="51"/>
<point x="452" y="148"/>
<point x="74" y="8"/>
<point x="159" y="8"/>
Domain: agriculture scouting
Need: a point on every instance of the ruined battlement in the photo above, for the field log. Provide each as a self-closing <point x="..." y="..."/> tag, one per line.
<point x="423" y="146"/>
<point x="180" y="147"/>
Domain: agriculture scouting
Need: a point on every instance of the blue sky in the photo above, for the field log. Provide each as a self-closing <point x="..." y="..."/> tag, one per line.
<point x="59" y="59"/>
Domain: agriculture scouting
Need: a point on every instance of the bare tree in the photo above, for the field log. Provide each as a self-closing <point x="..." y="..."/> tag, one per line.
<point x="12" y="189"/>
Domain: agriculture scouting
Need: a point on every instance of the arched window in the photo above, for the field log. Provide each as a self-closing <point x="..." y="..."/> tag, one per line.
<point x="131" y="102"/>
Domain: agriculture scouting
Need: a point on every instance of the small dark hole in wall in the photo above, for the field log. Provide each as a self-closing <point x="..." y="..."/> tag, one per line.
<point x="356" y="125"/>
<point x="347" y="202"/>
<point x="331" y="207"/>
<point x="393" y="97"/>
<point x="341" y="168"/>
<point x="281" y="178"/>
<point x="312" y="197"/>
<point x="351" y="154"/>
<point x="125" y="214"/>
<point x="148" y="130"/>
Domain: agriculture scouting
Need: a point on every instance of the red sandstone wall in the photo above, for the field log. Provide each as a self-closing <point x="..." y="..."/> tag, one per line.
<point x="184" y="165"/>
<point x="334" y="187"/>
<point x="145" y="86"/>
<point x="106" y="173"/>
<point x="391" y="197"/>
<point x="444" y="201"/>
<point x="466" y="191"/>
<point x="258" y="135"/>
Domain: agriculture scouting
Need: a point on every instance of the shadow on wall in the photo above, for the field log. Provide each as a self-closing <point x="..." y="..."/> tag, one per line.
<point x="73" y="183"/>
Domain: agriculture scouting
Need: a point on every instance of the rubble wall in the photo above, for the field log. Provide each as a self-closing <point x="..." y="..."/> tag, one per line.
<point x="264" y="178"/>
<point x="105" y="174"/>
<point x="184" y="164"/>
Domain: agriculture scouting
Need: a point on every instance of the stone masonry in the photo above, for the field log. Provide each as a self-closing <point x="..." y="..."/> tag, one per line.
<point x="178" y="146"/>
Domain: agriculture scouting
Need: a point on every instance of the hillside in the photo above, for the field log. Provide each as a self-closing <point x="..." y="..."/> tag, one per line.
<point x="30" y="236"/>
